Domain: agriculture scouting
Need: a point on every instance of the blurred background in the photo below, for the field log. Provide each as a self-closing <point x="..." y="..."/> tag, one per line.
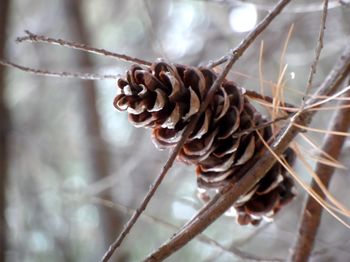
<point x="72" y="169"/>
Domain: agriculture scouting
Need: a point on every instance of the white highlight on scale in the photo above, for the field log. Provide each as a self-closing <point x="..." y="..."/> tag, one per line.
<point x="243" y="18"/>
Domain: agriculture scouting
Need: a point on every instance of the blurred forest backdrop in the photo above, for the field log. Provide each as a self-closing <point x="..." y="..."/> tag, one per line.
<point x="76" y="168"/>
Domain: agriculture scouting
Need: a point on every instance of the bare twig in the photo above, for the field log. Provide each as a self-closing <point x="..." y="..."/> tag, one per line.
<point x="252" y="129"/>
<point x="318" y="50"/>
<point x="231" y="58"/>
<point x="83" y="76"/>
<point x="150" y="193"/>
<point x="311" y="217"/>
<point x="254" y="95"/>
<point x="34" y="38"/>
<point x="236" y="252"/>
<point x="248" y="40"/>
<point x="296" y="8"/>
<point x="253" y="171"/>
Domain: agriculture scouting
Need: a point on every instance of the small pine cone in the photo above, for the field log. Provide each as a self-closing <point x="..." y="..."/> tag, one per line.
<point x="165" y="97"/>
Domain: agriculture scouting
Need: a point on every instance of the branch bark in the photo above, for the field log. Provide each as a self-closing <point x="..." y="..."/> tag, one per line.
<point x="254" y="172"/>
<point x="44" y="72"/>
<point x="318" y="49"/>
<point x="311" y="217"/>
<point x="34" y="38"/>
<point x="249" y="39"/>
<point x="4" y="131"/>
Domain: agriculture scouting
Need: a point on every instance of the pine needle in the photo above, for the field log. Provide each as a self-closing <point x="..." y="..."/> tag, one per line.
<point x="331" y="98"/>
<point x="277" y="100"/>
<point x="307" y="188"/>
<point x="261" y="78"/>
<point x="326" y="108"/>
<point x="323" y="131"/>
<point x="267" y="104"/>
<point x="340" y="207"/>
<point x="317" y="158"/>
<point x="284" y="50"/>
<point x="319" y="149"/>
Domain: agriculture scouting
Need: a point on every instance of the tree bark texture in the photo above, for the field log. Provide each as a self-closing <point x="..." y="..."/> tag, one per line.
<point x="97" y="149"/>
<point x="4" y="130"/>
<point x="311" y="217"/>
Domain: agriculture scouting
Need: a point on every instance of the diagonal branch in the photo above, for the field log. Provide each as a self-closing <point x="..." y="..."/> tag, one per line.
<point x="34" y="38"/>
<point x="231" y="58"/>
<point x="318" y="49"/>
<point x="254" y="170"/>
<point x="249" y="39"/>
<point x="233" y="251"/>
<point x="309" y="223"/>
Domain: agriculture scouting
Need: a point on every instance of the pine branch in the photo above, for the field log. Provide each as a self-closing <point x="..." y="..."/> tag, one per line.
<point x="231" y="58"/>
<point x="249" y="39"/>
<point x="318" y="49"/>
<point x="254" y="170"/>
<point x="44" y="72"/>
<point x="295" y="9"/>
<point x="34" y="38"/>
<point x="311" y="217"/>
<point x="255" y="95"/>
<point x="233" y="251"/>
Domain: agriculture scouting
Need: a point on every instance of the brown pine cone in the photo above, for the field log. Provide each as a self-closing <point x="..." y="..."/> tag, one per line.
<point x="165" y="97"/>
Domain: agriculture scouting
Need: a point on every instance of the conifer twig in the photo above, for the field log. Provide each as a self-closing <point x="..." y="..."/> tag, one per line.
<point x="253" y="171"/>
<point x="233" y="251"/>
<point x="34" y="38"/>
<point x="83" y="76"/>
<point x="254" y="128"/>
<point x="249" y="39"/>
<point x="303" y="8"/>
<point x="311" y="217"/>
<point x="255" y="95"/>
<point x="318" y="49"/>
<point x="231" y="58"/>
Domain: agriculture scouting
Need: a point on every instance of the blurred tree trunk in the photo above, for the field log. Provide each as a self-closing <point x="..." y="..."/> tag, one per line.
<point x="4" y="130"/>
<point x="98" y="153"/>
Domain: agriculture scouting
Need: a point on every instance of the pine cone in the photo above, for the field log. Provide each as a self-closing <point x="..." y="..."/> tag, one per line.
<point x="165" y="97"/>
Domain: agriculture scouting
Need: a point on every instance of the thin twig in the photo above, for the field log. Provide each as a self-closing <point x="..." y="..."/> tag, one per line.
<point x="235" y="252"/>
<point x="34" y="38"/>
<point x="255" y="95"/>
<point x="83" y="76"/>
<point x="150" y="193"/>
<point x="249" y="39"/>
<point x="255" y="128"/>
<point x="318" y="50"/>
<point x="309" y="223"/>
<point x="95" y="76"/>
<point x="252" y="173"/>
<point x="296" y="8"/>
<point x="232" y="58"/>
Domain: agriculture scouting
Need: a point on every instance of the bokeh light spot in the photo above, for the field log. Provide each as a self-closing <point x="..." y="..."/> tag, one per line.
<point x="243" y="18"/>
